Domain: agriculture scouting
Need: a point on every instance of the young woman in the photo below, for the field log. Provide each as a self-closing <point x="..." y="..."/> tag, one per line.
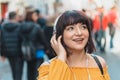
<point x="73" y="45"/>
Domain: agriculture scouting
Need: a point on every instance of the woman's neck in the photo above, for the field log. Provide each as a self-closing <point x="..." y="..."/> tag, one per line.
<point x="76" y="58"/>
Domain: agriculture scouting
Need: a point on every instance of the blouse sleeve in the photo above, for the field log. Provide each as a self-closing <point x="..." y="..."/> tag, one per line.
<point x="55" y="71"/>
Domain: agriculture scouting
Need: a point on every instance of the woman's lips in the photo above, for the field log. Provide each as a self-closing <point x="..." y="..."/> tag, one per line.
<point x="79" y="40"/>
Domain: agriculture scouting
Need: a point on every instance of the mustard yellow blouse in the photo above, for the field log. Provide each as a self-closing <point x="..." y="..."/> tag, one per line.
<point x="58" y="70"/>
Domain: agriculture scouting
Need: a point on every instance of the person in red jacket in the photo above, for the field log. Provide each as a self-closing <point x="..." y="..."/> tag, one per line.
<point x="100" y="23"/>
<point x="112" y="16"/>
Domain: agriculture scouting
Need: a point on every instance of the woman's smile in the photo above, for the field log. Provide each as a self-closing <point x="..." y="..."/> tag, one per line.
<point x="78" y="40"/>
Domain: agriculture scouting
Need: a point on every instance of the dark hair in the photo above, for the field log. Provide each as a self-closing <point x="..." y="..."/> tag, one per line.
<point x="74" y="17"/>
<point x="37" y="11"/>
<point x="12" y="15"/>
<point x="29" y="16"/>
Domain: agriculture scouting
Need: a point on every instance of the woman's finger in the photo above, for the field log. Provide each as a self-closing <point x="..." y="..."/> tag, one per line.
<point x="59" y="40"/>
<point x="53" y="41"/>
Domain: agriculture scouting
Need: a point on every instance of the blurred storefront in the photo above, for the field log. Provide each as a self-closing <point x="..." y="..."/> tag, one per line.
<point x="49" y="7"/>
<point x="45" y="6"/>
<point x="3" y="8"/>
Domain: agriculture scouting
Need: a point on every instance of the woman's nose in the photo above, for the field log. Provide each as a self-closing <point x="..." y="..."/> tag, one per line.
<point x="78" y="31"/>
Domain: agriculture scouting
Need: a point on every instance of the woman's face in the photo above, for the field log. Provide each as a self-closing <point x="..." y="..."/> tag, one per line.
<point x="76" y="36"/>
<point x="34" y="17"/>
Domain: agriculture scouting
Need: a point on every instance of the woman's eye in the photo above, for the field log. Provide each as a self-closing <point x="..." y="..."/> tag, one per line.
<point x="84" y="27"/>
<point x="70" y="28"/>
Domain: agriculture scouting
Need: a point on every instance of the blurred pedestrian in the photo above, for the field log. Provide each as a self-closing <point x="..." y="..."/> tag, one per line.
<point x="48" y="31"/>
<point x="113" y="23"/>
<point x="100" y="23"/>
<point x="35" y="34"/>
<point x="41" y="20"/>
<point x="11" y="45"/>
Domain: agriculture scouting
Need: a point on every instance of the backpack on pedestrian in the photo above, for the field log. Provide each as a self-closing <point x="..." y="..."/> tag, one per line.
<point x="27" y="45"/>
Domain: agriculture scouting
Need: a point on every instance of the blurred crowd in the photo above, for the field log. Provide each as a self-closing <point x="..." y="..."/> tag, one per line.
<point x="38" y="29"/>
<point x="33" y="27"/>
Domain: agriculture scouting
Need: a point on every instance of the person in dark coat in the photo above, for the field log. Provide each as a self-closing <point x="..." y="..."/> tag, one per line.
<point x="40" y="20"/>
<point x="11" y="45"/>
<point x="39" y="41"/>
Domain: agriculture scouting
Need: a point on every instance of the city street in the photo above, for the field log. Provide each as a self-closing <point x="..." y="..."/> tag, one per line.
<point x="112" y="57"/>
<point x="5" y="72"/>
<point x="102" y="15"/>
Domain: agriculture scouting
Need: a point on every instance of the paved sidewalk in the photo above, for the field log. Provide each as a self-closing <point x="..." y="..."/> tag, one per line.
<point x="5" y="71"/>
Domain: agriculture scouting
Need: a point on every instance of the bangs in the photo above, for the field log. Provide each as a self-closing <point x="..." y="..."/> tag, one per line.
<point x="73" y="17"/>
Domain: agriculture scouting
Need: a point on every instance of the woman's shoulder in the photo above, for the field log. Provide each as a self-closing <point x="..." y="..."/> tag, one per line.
<point x="47" y="63"/>
<point x="101" y="60"/>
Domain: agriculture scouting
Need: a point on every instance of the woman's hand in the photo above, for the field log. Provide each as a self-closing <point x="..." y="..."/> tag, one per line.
<point x="58" y="48"/>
